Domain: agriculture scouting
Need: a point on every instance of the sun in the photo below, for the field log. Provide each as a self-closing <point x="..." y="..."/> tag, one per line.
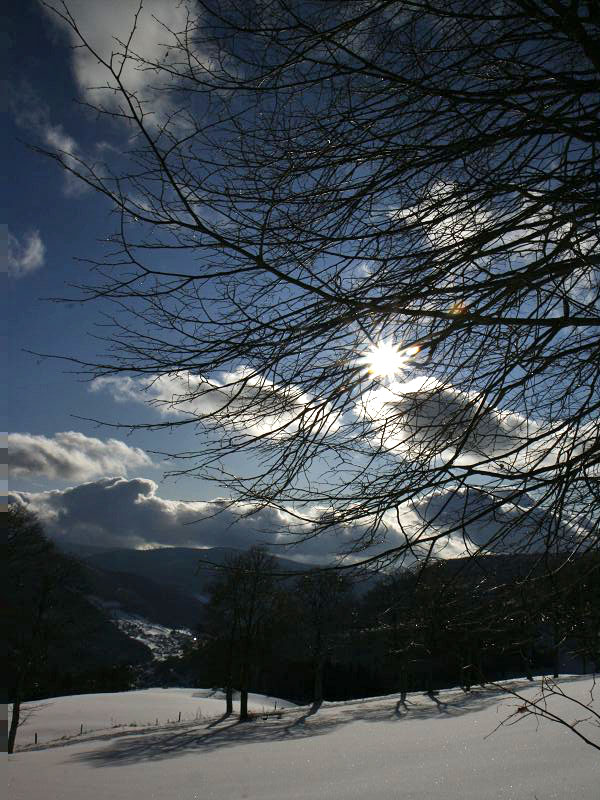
<point x="384" y="359"/>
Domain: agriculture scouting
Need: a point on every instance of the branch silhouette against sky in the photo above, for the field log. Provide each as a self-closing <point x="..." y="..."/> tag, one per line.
<point x="354" y="254"/>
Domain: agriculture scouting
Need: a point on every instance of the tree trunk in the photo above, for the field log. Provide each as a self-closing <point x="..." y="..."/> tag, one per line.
<point x="403" y="683"/>
<point x="480" y="672"/>
<point x="229" y="700"/>
<point x="556" y="649"/>
<point x="466" y="671"/>
<point x="244" y="673"/>
<point x="243" y="705"/>
<point x="429" y="679"/>
<point x="526" y="665"/>
<point x="14" y="723"/>
<point x="318" y="682"/>
<point x="465" y="678"/>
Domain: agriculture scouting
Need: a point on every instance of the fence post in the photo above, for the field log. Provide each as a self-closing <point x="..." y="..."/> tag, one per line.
<point x="179" y="720"/>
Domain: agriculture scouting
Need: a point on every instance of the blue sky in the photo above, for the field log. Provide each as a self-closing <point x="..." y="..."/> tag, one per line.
<point x="92" y="482"/>
<point x="86" y="482"/>
<point x="53" y="216"/>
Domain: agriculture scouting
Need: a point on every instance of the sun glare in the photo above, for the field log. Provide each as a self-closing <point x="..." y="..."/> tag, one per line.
<point x="385" y="359"/>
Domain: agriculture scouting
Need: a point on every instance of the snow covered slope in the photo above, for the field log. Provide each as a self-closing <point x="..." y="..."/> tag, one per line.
<point x="424" y="749"/>
<point x="62" y="717"/>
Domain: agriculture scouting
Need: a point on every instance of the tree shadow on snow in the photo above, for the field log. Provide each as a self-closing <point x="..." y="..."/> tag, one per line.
<point x="131" y="747"/>
<point x="151" y="745"/>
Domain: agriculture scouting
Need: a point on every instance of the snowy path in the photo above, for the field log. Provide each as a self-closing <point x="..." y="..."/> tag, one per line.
<point x="427" y="749"/>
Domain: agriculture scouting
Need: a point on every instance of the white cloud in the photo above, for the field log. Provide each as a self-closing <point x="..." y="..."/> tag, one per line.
<point x="122" y="388"/>
<point x="497" y="520"/>
<point x="106" y="27"/>
<point x="57" y="138"/>
<point x="447" y="217"/>
<point x="427" y="423"/>
<point x="60" y="142"/>
<point x="25" y="256"/>
<point x="32" y="114"/>
<point x="71" y="456"/>
<point x="437" y="418"/>
<point x="239" y="400"/>
<point x="423" y="419"/>
<point x="130" y="513"/>
<point x="117" y="512"/>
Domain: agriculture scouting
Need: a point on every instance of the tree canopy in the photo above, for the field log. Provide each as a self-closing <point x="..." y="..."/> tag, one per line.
<point x="359" y="241"/>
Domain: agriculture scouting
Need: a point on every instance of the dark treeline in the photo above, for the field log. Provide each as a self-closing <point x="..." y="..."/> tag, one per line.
<point x="57" y="641"/>
<point x="323" y="636"/>
<point x="306" y="636"/>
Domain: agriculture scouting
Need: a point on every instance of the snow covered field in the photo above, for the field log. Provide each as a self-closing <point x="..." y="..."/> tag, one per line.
<point x="61" y="717"/>
<point x="424" y="749"/>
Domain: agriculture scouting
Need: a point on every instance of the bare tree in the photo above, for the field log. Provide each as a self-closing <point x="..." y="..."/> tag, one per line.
<point x="221" y="631"/>
<point x="553" y="704"/>
<point x="244" y="600"/>
<point x="323" y="599"/>
<point x="361" y="241"/>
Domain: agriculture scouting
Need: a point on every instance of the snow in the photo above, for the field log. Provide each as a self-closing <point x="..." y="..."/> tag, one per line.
<point x="426" y="749"/>
<point x="61" y="717"/>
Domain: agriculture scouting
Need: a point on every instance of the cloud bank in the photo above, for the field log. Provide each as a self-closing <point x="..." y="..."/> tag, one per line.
<point x="71" y="456"/>
<point x="120" y="512"/>
<point x="423" y="418"/>
<point x="499" y="521"/>
<point x="130" y="513"/>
